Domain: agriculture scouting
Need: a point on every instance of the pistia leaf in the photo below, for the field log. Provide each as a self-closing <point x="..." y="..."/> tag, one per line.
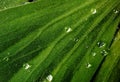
<point x="57" y="40"/>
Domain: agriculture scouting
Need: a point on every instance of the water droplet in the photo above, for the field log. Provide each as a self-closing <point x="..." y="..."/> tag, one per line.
<point x="94" y="11"/>
<point x="68" y="29"/>
<point x="104" y="52"/>
<point x="5" y="58"/>
<point x="115" y="11"/>
<point x="93" y="54"/>
<point x="76" y="39"/>
<point x="26" y="66"/>
<point x="88" y="65"/>
<point x="49" y="78"/>
<point x="101" y="44"/>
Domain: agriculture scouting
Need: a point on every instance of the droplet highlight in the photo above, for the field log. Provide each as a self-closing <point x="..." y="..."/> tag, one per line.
<point x="26" y="66"/>
<point x="68" y="29"/>
<point x="94" y="11"/>
<point x="6" y="59"/>
<point x="76" y="39"/>
<point x="104" y="52"/>
<point x="93" y="54"/>
<point x="49" y="78"/>
<point x="88" y="65"/>
<point x="115" y="11"/>
<point x="101" y="44"/>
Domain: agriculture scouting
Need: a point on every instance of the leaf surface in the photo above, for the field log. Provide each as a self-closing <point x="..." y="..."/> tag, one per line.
<point x="64" y="39"/>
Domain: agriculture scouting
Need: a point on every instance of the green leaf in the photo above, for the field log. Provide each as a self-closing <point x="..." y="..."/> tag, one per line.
<point x="110" y="63"/>
<point x="115" y="75"/>
<point x="58" y="40"/>
<point x="5" y="4"/>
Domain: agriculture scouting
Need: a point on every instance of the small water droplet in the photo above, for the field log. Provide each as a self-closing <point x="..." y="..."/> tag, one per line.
<point x="68" y="29"/>
<point x="5" y="58"/>
<point x="93" y="54"/>
<point x="101" y="44"/>
<point x="115" y="11"/>
<point x="104" y="52"/>
<point x="76" y="39"/>
<point x="94" y="11"/>
<point x="26" y="66"/>
<point x="88" y="65"/>
<point x="49" y="78"/>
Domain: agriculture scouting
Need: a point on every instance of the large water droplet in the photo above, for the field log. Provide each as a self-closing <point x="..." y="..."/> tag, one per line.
<point x="94" y="11"/>
<point x="88" y="65"/>
<point x="93" y="54"/>
<point x="104" y="52"/>
<point x="101" y="44"/>
<point x="68" y="29"/>
<point x="49" y="78"/>
<point x="26" y="66"/>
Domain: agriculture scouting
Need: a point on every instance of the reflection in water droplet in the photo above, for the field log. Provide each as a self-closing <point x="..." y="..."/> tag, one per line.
<point x="88" y="65"/>
<point x="5" y="58"/>
<point x="49" y="78"/>
<point x="101" y="44"/>
<point x="93" y="54"/>
<point x="104" y="52"/>
<point x="26" y="66"/>
<point x="94" y="11"/>
<point x="68" y="29"/>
